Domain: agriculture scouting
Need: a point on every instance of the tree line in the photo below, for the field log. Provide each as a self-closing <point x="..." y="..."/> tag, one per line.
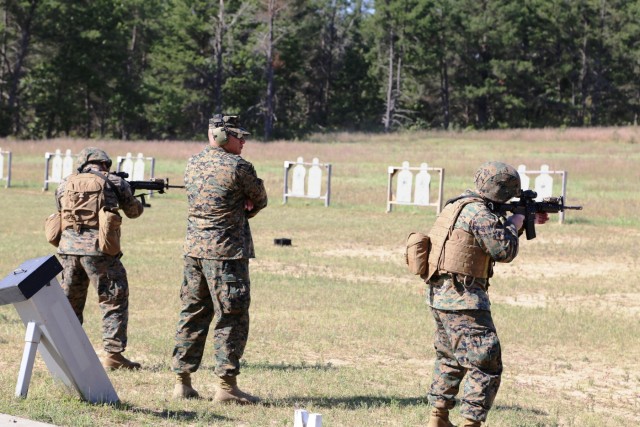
<point x="158" y="69"/>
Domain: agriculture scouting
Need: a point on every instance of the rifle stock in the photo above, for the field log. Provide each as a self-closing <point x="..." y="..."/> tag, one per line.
<point x="527" y="205"/>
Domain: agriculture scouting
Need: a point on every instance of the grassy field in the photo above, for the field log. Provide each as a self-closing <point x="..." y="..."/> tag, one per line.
<point x="339" y="327"/>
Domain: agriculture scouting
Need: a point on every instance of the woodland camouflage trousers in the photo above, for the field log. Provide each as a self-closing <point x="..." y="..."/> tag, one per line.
<point x="213" y="289"/>
<point x="109" y="278"/>
<point x="467" y="346"/>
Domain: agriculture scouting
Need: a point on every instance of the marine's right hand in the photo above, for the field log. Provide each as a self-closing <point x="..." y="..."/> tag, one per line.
<point x="517" y="220"/>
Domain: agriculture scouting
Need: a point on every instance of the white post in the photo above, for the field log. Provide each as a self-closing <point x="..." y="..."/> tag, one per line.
<point x="327" y="199"/>
<point x="315" y="420"/>
<point x="300" y="418"/>
<point x="47" y="160"/>
<point x="285" y="190"/>
<point x="1" y="164"/>
<point x="440" y="191"/>
<point x="563" y="194"/>
<point x="31" y="340"/>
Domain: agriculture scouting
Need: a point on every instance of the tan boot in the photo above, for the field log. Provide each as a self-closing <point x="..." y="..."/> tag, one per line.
<point x="439" y="418"/>
<point x="183" y="389"/>
<point x="471" y="423"/>
<point x="117" y="361"/>
<point x="228" y="392"/>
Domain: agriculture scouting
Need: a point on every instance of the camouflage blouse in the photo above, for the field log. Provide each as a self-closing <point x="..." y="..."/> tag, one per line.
<point x="85" y="242"/>
<point x="497" y="238"/>
<point x="218" y="184"/>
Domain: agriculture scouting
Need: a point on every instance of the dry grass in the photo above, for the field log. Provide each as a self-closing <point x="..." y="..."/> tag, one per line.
<point x="338" y="326"/>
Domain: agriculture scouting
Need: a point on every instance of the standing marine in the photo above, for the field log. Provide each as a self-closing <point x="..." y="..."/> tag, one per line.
<point x="89" y="202"/>
<point x="467" y="238"/>
<point x="223" y="193"/>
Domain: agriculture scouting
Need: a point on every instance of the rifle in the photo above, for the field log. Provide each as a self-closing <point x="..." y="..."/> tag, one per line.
<point x="528" y="207"/>
<point x="155" y="184"/>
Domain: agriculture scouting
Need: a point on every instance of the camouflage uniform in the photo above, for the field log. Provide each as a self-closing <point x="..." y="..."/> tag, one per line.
<point x="83" y="262"/>
<point x="466" y="341"/>
<point x="217" y="249"/>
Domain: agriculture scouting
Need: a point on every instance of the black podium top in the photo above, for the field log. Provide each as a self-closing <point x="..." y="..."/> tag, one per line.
<point x="25" y="281"/>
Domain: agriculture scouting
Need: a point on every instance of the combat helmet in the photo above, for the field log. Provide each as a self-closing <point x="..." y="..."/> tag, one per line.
<point x="92" y="155"/>
<point x="223" y="125"/>
<point x="497" y="181"/>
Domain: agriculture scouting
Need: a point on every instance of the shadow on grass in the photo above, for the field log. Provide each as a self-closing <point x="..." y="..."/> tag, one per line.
<point x="267" y="366"/>
<point x="349" y="402"/>
<point x="519" y="409"/>
<point x="167" y="414"/>
<point x="577" y="221"/>
<point x="156" y="367"/>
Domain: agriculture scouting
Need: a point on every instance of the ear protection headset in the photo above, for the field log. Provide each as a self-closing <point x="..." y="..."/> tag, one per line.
<point x="220" y="135"/>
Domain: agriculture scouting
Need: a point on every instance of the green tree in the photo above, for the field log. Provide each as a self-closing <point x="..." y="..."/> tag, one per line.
<point x="331" y="29"/>
<point x="623" y="42"/>
<point x="178" y="83"/>
<point x="86" y="78"/>
<point x="203" y="61"/>
<point x="388" y="34"/>
<point x="353" y="101"/>
<point x="17" y="34"/>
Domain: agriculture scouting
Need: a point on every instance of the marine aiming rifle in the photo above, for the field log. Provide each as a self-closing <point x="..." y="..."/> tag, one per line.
<point x="155" y="184"/>
<point x="527" y="206"/>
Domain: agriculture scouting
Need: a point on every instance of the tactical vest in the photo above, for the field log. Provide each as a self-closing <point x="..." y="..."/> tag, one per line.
<point x="455" y="250"/>
<point x="82" y="199"/>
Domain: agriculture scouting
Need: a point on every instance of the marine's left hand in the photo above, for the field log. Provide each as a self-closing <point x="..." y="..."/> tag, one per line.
<point x="541" y="217"/>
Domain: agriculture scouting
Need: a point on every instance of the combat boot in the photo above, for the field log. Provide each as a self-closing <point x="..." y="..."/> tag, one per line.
<point x="228" y="392"/>
<point x="471" y="423"/>
<point x="439" y="418"/>
<point x="117" y="361"/>
<point x="183" y="389"/>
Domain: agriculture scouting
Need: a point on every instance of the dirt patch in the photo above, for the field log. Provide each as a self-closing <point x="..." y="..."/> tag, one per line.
<point x="304" y="270"/>
<point x="551" y="268"/>
<point x="606" y="388"/>
<point x="379" y="253"/>
<point x="627" y="303"/>
<point x="422" y="368"/>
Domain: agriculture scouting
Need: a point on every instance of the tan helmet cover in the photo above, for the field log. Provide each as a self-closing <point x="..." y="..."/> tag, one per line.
<point x="92" y="155"/>
<point x="497" y="181"/>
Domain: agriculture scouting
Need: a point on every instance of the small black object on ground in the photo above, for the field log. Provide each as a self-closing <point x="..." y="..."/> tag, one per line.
<point x="282" y="241"/>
